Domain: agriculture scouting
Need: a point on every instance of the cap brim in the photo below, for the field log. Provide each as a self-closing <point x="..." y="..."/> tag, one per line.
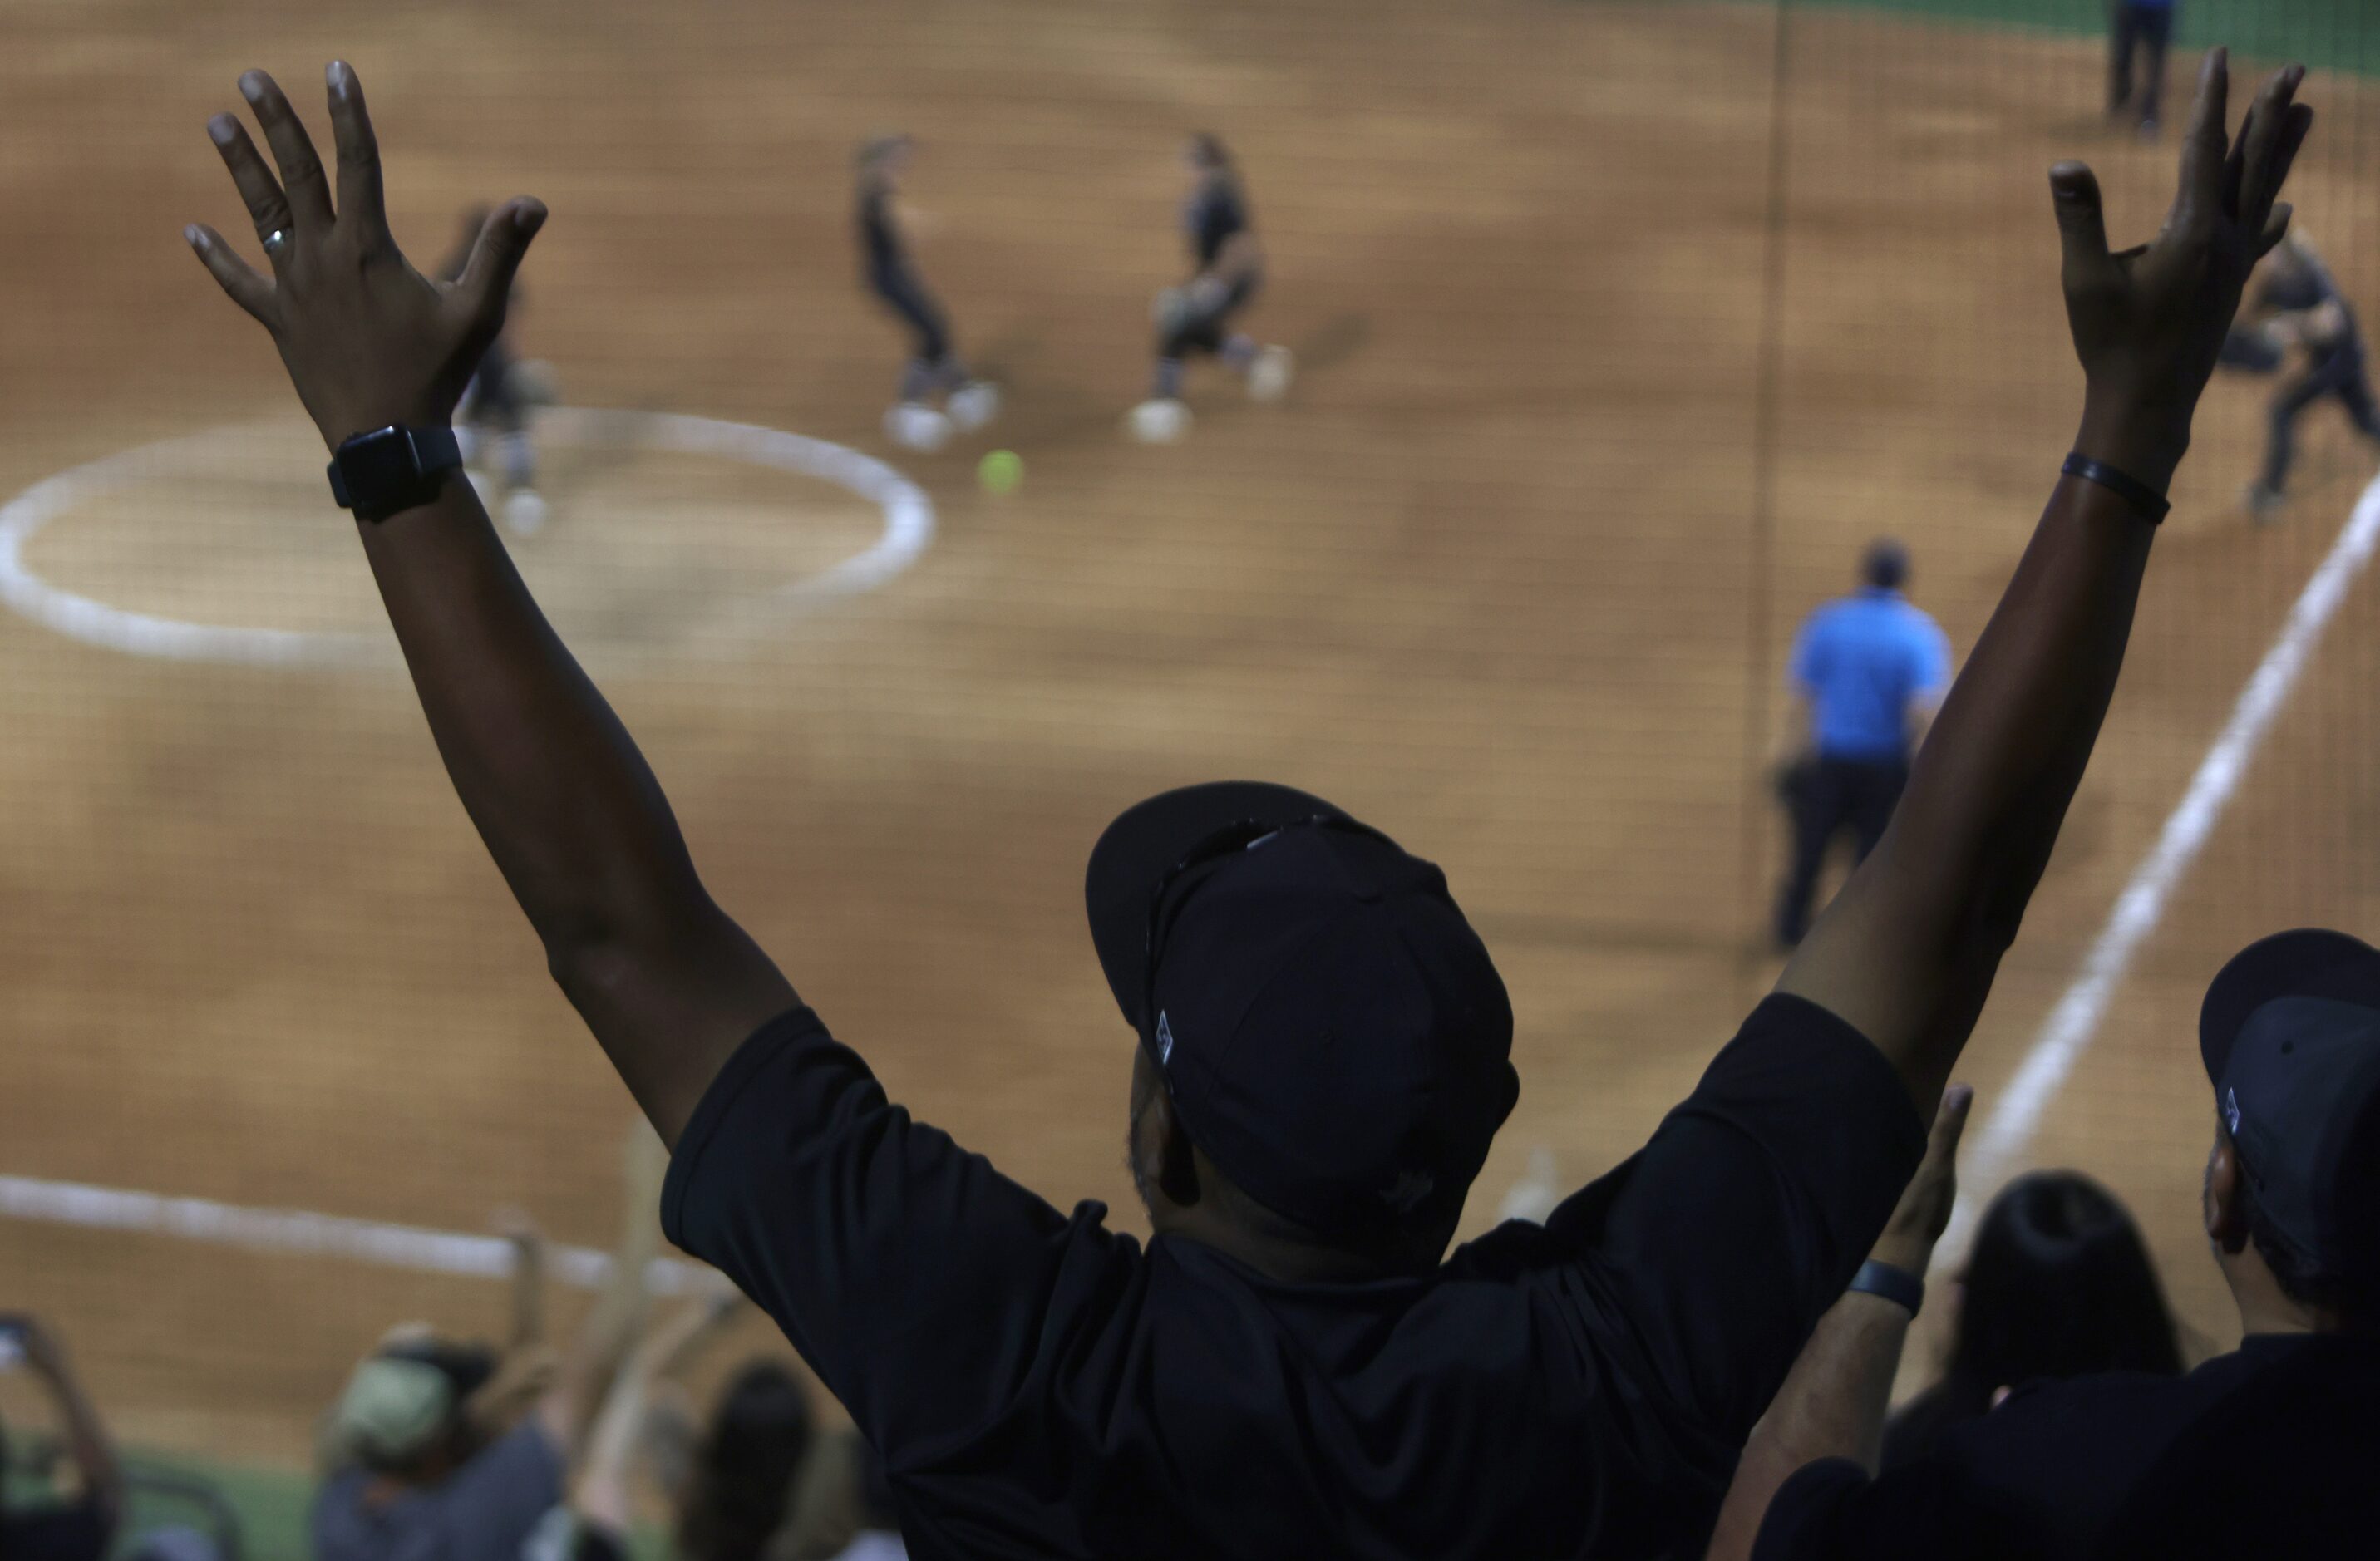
<point x="1145" y="842"/>
<point x="2308" y="962"/>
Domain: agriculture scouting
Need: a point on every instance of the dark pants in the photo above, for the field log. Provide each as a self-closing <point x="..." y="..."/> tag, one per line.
<point x="907" y="298"/>
<point x="2145" y="29"/>
<point x="2340" y="373"/>
<point x="1825" y="796"/>
<point x="1205" y="330"/>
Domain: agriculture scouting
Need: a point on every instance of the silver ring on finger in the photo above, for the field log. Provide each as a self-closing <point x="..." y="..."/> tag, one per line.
<point x="277" y="243"/>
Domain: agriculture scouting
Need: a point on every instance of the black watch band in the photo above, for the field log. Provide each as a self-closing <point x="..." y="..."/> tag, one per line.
<point x="393" y="469"/>
<point x="1898" y="1286"/>
<point x="2152" y="505"/>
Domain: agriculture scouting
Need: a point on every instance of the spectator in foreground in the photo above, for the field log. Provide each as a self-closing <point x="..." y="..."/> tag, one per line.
<point x="2266" y="1451"/>
<point x="2058" y="1284"/>
<point x="1293" y="1364"/>
<point x="595" y="1523"/>
<point x="425" y="1470"/>
<point x="82" y="1527"/>
<point x="1868" y="671"/>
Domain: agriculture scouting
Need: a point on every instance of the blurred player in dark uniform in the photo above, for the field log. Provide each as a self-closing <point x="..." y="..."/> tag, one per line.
<point x="934" y="369"/>
<point x="493" y="418"/>
<point x="1196" y="316"/>
<point x="2297" y="304"/>
<point x="2142" y="28"/>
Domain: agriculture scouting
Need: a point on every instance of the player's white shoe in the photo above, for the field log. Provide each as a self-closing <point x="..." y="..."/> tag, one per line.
<point x="1270" y="375"/>
<point x="1159" y="420"/>
<point x="974" y="403"/>
<point x="525" y="512"/>
<point x="913" y="425"/>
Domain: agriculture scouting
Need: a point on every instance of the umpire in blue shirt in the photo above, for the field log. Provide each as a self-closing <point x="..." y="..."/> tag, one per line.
<point x="1867" y="671"/>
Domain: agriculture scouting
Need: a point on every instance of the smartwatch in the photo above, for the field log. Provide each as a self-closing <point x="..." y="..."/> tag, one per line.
<point x="392" y="469"/>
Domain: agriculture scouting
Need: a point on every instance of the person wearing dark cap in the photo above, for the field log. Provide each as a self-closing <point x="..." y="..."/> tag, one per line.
<point x="1868" y="671"/>
<point x="2266" y="1451"/>
<point x="1292" y="1365"/>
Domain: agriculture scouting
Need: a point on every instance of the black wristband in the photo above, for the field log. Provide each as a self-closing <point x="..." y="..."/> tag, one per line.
<point x="1898" y="1286"/>
<point x="2151" y="504"/>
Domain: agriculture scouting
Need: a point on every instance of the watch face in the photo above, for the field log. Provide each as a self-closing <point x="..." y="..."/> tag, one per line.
<point x="377" y="464"/>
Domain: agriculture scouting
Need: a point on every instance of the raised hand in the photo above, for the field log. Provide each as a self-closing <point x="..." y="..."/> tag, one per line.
<point x="368" y="340"/>
<point x="2148" y="323"/>
<point x="1924" y="1212"/>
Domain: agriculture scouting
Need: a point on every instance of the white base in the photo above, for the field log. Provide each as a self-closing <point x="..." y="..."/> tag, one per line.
<point x="1160" y="421"/>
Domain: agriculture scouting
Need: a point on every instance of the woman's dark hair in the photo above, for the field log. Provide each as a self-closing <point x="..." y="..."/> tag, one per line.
<point x="2058" y="1284"/>
<point x="1207" y="148"/>
<point x="743" y="1476"/>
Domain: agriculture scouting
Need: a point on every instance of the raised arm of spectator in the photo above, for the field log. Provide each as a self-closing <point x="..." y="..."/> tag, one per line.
<point x="87" y="1440"/>
<point x="527" y="1243"/>
<point x="611" y="1327"/>
<point x="1907" y="952"/>
<point x="601" y="1492"/>
<point x="567" y="804"/>
<point x="1833" y="1403"/>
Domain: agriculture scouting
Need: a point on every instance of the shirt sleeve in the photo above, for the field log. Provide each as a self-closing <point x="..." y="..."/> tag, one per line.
<point x="494" y="1503"/>
<point x="920" y="1284"/>
<point x="1705" y="1261"/>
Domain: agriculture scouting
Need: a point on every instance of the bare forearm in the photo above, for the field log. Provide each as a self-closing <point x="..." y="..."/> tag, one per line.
<point x="570" y="812"/>
<point x="86" y="1438"/>
<point x="1950" y="882"/>
<point x="2002" y="760"/>
<point x="1908" y="951"/>
<point x="1832" y="1406"/>
<point x="529" y="1289"/>
<point x="565" y="803"/>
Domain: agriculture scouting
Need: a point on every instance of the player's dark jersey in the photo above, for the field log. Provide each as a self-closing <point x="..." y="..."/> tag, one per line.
<point x="879" y="234"/>
<point x="1216" y="215"/>
<point x="2308" y="285"/>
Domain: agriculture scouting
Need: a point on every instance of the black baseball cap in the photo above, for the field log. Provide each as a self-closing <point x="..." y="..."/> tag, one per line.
<point x="2291" y="1035"/>
<point x="1331" y="1032"/>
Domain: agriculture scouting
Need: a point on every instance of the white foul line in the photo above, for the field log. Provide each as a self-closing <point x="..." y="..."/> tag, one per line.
<point x="2075" y="1023"/>
<point x="319" y="1235"/>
